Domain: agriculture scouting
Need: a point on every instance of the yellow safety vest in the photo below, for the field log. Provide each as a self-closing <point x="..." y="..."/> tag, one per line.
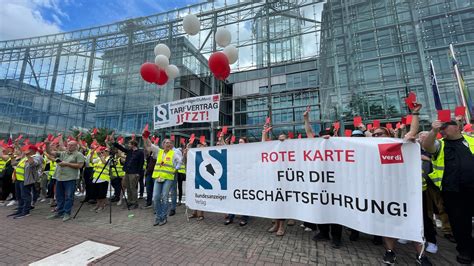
<point x="95" y="156"/>
<point x="119" y="166"/>
<point x="98" y="168"/>
<point x="164" y="169"/>
<point x="20" y="170"/>
<point x="3" y="163"/>
<point x="52" y="169"/>
<point x="423" y="181"/>
<point x="438" y="162"/>
<point x="182" y="169"/>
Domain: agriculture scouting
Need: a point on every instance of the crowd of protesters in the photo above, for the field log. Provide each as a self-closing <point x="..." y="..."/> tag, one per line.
<point x="59" y="170"/>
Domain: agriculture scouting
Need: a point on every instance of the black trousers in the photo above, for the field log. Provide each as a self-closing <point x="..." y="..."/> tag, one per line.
<point x="336" y="230"/>
<point x="7" y="187"/>
<point x="430" y="231"/>
<point x="181" y="179"/>
<point x="88" y="173"/>
<point x="117" y="185"/>
<point x="460" y="208"/>
<point x="141" y="183"/>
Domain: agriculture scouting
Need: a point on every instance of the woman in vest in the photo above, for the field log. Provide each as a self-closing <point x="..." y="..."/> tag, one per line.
<point x="6" y="171"/>
<point x="163" y="174"/>
<point x="101" y="178"/>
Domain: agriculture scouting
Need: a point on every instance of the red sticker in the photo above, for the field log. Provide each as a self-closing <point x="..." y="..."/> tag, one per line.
<point x="391" y="153"/>
<point x="376" y="123"/>
<point x="460" y="111"/>
<point x="357" y="121"/>
<point x="347" y="132"/>
<point x="444" y="115"/>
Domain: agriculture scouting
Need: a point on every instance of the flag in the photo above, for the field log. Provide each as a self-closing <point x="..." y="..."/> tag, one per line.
<point x="464" y="92"/>
<point x="434" y="87"/>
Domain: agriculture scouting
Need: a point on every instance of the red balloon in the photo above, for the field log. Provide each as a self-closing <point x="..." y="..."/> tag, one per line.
<point x="161" y="77"/>
<point x="224" y="75"/>
<point x="218" y="63"/>
<point x="149" y="72"/>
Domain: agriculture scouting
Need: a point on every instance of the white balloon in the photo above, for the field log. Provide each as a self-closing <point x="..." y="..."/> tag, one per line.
<point x="223" y="37"/>
<point x="162" y="61"/>
<point x="232" y="53"/>
<point x="191" y="24"/>
<point x="172" y="71"/>
<point x="163" y="49"/>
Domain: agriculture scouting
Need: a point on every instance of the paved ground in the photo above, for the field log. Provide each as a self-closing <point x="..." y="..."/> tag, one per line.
<point x="206" y="242"/>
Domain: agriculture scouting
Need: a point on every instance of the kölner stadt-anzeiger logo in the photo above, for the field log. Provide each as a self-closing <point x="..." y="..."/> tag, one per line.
<point x="211" y="169"/>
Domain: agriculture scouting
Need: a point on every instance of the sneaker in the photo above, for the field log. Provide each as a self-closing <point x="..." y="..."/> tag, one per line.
<point x="273" y="229"/>
<point x="172" y="212"/>
<point x="148" y="206"/>
<point x="402" y="241"/>
<point x="227" y="222"/>
<point x="389" y="257"/>
<point x="77" y="193"/>
<point x="100" y="209"/>
<point x="423" y="260"/>
<point x="320" y="236"/>
<point x="431" y="248"/>
<point x="14" y="214"/>
<point x="119" y="202"/>
<point x="115" y="199"/>
<point x="290" y="222"/>
<point x="66" y="217"/>
<point x="307" y="229"/>
<point x="21" y="215"/>
<point x="42" y="200"/>
<point x="53" y="216"/>
<point x="162" y="222"/>
<point x="12" y="203"/>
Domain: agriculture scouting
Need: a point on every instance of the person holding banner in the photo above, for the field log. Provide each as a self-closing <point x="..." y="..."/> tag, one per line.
<point x="279" y="224"/>
<point x="167" y="163"/>
<point x="245" y="218"/>
<point x="453" y="174"/>
<point x="197" y="214"/>
<point x="382" y="132"/>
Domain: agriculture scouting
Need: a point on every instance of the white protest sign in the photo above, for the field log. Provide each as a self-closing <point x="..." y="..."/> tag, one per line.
<point x="371" y="185"/>
<point x="192" y="110"/>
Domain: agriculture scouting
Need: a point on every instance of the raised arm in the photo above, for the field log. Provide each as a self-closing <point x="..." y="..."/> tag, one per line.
<point x="429" y="143"/>
<point x="307" y="124"/>
<point x="415" y="123"/>
<point x="49" y="150"/>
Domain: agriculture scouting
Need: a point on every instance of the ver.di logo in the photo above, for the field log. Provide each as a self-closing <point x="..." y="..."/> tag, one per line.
<point x="162" y="112"/>
<point x="211" y="169"/>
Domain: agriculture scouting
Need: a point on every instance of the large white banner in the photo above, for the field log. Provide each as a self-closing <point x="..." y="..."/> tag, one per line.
<point x="371" y="185"/>
<point x="191" y="110"/>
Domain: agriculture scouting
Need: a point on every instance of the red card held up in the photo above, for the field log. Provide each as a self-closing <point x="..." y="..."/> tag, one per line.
<point x="191" y="139"/>
<point x="439" y="136"/>
<point x="172" y="138"/>
<point x="232" y="139"/>
<point x="337" y="125"/>
<point x="409" y="119"/>
<point x="157" y="140"/>
<point x="369" y="127"/>
<point x="291" y="135"/>
<point x="299" y="135"/>
<point x="404" y="120"/>
<point x="398" y="125"/>
<point x="182" y="140"/>
<point x="268" y="120"/>
<point x="410" y="100"/>
<point x="460" y="111"/>
<point x="224" y="130"/>
<point x="389" y="126"/>
<point x="468" y="128"/>
<point x="202" y="139"/>
<point x="444" y="115"/>
<point x="357" y="121"/>
<point x="376" y="123"/>
<point x="347" y="132"/>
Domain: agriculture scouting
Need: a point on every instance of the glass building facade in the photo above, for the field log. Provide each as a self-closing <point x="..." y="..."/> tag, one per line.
<point x="374" y="51"/>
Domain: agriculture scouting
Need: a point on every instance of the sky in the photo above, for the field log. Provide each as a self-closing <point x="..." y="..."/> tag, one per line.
<point x="28" y="18"/>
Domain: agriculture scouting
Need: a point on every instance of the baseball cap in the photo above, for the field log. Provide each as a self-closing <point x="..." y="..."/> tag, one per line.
<point x="357" y="133"/>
